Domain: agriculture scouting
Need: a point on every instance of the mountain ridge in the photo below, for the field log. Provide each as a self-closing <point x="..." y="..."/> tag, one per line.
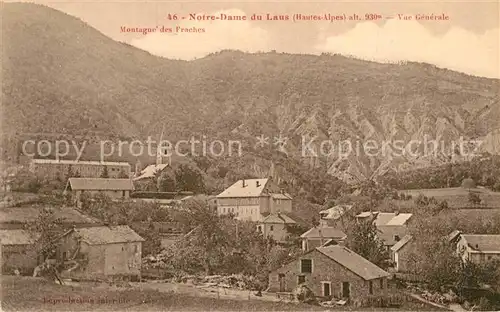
<point x="86" y="83"/>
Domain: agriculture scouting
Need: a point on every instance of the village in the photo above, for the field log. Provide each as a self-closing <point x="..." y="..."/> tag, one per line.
<point x="106" y="224"/>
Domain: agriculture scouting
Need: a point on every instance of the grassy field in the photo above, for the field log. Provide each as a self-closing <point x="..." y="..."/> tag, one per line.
<point x="34" y="294"/>
<point x="457" y="197"/>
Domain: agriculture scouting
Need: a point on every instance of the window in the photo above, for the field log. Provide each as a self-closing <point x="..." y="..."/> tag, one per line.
<point x="305" y="266"/>
<point x="371" y="287"/>
<point x="136" y="249"/>
<point x="396" y="238"/>
<point x="301" y="279"/>
<point x="271" y="228"/>
<point x="381" y="284"/>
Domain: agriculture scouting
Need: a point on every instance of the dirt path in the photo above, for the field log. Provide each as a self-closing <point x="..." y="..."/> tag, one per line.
<point x="203" y="291"/>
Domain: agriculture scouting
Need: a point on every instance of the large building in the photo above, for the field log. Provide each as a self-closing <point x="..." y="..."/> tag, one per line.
<point x="333" y="271"/>
<point x="63" y="169"/>
<point x="250" y="199"/>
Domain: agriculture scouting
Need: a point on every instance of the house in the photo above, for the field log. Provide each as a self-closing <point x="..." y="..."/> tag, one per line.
<point x="275" y="226"/>
<point x="318" y="236"/>
<point x="333" y="271"/>
<point x="101" y="252"/>
<point x="114" y="188"/>
<point x="402" y="252"/>
<point x="17" y="252"/>
<point x="63" y="169"/>
<point x="478" y="248"/>
<point x="249" y="199"/>
<point x="391" y="226"/>
<point x="334" y="216"/>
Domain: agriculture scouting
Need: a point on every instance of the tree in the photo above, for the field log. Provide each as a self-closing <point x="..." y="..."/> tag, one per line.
<point x="45" y="231"/>
<point x="167" y="183"/>
<point x="105" y="173"/>
<point x="363" y="239"/>
<point x="189" y="179"/>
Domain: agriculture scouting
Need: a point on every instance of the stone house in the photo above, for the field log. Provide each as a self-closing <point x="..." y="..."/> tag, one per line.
<point x="101" y="252"/>
<point x="275" y="226"/>
<point x="114" y="188"/>
<point x="249" y="199"/>
<point x="402" y="252"/>
<point x="333" y="271"/>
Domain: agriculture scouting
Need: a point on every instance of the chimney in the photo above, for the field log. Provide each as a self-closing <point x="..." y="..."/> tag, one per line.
<point x="257" y="183"/>
<point x="243" y="182"/>
<point x="396" y="212"/>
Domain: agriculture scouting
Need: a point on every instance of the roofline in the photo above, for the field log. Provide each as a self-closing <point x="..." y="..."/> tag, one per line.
<point x="369" y="279"/>
<point x="260" y="195"/>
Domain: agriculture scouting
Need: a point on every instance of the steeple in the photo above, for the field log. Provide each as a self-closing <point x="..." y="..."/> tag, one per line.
<point x="159" y="150"/>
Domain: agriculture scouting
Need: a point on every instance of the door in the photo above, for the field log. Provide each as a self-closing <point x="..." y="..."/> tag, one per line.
<point x="346" y="293"/>
<point x="326" y="289"/>
<point x="281" y="278"/>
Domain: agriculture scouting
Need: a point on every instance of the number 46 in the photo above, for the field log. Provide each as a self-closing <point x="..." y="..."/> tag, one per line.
<point x="172" y="17"/>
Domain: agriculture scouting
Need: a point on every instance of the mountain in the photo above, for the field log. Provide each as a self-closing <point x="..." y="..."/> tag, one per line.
<point x="62" y="76"/>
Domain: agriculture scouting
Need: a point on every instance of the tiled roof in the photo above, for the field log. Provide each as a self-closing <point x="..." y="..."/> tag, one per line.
<point x="335" y="212"/>
<point x="387" y="233"/>
<point x="100" y="184"/>
<point x="80" y="162"/>
<point x="326" y="232"/>
<point x="151" y="171"/>
<point x="249" y="190"/>
<point x="387" y="218"/>
<point x="401" y="243"/>
<point x="278" y="218"/>
<point x="400" y="219"/>
<point x="16" y="237"/>
<point x="108" y="235"/>
<point x="483" y="243"/>
<point x="353" y="262"/>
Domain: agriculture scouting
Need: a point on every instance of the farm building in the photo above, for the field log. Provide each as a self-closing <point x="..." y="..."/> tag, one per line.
<point x="114" y="188"/>
<point x="101" y="252"/>
<point x="333" y="271"/>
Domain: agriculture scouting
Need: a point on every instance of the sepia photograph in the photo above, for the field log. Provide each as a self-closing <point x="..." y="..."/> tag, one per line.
<point x="250" y="155"/>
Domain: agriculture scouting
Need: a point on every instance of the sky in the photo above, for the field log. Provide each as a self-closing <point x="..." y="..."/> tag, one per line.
<point x="467" y="42"/>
